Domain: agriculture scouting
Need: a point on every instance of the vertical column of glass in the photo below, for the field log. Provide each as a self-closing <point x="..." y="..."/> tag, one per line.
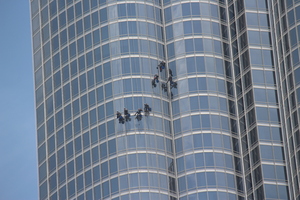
<point x="286" y="24"/>
<point x="202" y="121"/>
<point x="236" y="20"/>
<point x="258" y="109"/>
<point x="144" y="155"/>
<point x="240" y="58"/>
<point x="93" y="58"/>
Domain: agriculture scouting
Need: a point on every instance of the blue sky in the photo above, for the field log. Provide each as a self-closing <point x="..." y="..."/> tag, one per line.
<point x="18" y="163"/>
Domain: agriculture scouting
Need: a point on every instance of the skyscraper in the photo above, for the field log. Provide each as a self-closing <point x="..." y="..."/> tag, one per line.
<point x="225" y="126"/>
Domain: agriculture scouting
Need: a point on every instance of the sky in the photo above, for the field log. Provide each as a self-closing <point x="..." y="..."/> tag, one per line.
<point x="18" y="154"/>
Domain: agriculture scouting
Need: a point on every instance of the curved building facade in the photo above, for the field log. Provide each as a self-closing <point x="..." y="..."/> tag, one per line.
<point x="204" y="130"/>
<point x="286" y="40"/>
<point x="224" y="114"/>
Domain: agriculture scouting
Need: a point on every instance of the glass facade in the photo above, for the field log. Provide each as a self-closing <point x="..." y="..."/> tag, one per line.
<point x="225" y="127"/>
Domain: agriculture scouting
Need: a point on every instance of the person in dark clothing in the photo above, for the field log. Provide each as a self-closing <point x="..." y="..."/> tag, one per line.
<point x="170" y="79"/>
<point x="164" y="87"/>
<point x="174" y="85"/>
<point x="121" y="120"/>
<point x="119" y="116"/>
<point x="161" y="66"/>
<point x="138" y="114"/>
<point x="156" y="78"/>
<point x="147" y="109"/>
<point x="153" y="83"/>
<point x="127" y="115"/>
<point x="170" y="72"/>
